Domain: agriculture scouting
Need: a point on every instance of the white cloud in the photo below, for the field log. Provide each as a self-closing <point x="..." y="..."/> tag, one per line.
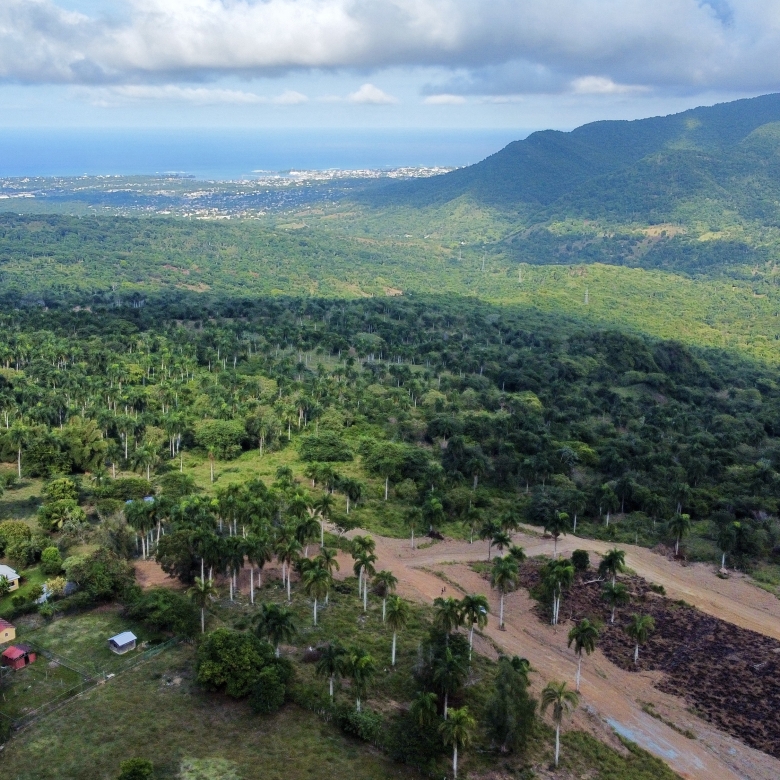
<point x="290" y="98"/>
<point x="368" y="93"/>
<point x="444" y="99"/>
<point x="499" y="47"/>
<point x="598" y="85"/>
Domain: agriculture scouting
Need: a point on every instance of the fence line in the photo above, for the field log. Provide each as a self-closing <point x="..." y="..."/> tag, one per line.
<point x="90" y="681"/>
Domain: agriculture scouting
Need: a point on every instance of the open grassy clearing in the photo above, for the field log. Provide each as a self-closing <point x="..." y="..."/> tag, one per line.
<point x="25" y="690"/>
<point x="155" y="711"/>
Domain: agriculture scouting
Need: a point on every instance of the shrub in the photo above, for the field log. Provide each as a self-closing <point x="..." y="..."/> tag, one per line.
<point x="46" y="610"/>
<point x="232" y="661"/>
<point x="61" y="489"/>
<point x="327" y="447"/>
<point x="56" y="586"/>
<point x="366" y="725"/>
<point x="51" y="561"/>
<point x="268" y="693"/>
<point x="162" y="609"/>
<point x="222" y="437"/>
<point x="580" y="560"/>
<point x="23" y="553"/>
<point x="13" y="531"/>
<point x="101" y="575"/>
<point x="128" y="488"/>
<point x="136" y="769"/>
<point x="54" y="515"/>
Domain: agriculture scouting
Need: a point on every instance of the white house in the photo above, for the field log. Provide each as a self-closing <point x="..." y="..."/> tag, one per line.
<point x="10" y="575"/>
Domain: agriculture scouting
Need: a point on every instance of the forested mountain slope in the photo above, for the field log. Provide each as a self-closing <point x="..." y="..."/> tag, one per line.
<point x="697" y="192"/>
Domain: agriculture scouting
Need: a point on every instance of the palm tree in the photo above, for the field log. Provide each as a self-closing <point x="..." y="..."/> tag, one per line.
<point x="727" y="539"/>
<point x="488" y="530"/>
<point x="457" y="731"/>
<point x="234" y="558"/>
<point x="316" y="583"/>
<point x="327" y="560"/>
<point x="277" y="624"/>
<point x="364" y="568"/>
<point x="18" y="435"/>
<point x="612" y="563"/>
<point x="639" y="629"/>
<point x="501" y="539"/>
<point x="474" y="609"/>
<point x="559" y="575"/>
<point x="398" y="613"/>
<point x="423" y="708"/>
<point x="361" y="668"/>
<point x="413" y="517"/>
<point x="504" y="578"/>
<point x="385" y="583"/>
<point x="584" y="636"/>
<point x="201" y="592"/>
<point x="331" y="663"/>
<point x="679" y="526"/>
<point x="448" y="616"/>
<point x="556" y="524"/>
<point x="258" y="552"/>
<point x="307" y="531"/>
<point x="616" y="595"/>
<point x="287" y="551"/>
<point x="562" y="700"/>
<point x="449" y="672"/>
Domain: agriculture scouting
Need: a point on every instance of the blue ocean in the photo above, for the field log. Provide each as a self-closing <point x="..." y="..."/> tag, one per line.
<point x="233" y="154"/>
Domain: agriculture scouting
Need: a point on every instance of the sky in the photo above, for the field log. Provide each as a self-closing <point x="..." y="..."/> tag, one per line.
<point x="477" y="64"/>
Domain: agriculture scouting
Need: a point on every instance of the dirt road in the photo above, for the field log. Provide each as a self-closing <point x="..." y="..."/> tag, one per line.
<point x="612" y="699"/>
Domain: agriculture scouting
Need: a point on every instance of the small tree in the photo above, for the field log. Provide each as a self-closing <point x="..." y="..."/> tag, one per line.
<point x="457" y="731"/>
<point x="556" y="695"/>
<point x="583" y="636"/>
<point x="639" y="629"/>
<point x="277" y="624"/>
<point x="679" y="526"/>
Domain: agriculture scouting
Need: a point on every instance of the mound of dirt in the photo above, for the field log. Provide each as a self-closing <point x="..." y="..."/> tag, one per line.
<point x="728" y="675"/>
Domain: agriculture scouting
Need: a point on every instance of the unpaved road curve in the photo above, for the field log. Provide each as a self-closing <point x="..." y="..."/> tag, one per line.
<point x="612" y="699"/>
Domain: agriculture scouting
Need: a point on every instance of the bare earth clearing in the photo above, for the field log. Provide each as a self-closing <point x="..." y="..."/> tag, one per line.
<point x="612" y="697"/>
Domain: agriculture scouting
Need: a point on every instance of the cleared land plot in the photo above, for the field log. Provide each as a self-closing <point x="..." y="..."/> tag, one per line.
<point x="24" y="690"/>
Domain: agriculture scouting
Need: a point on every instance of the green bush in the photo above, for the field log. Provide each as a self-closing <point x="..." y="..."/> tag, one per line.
<point x="128" y="489"/>
<point x="268" y="693"/>
<point x="136" y="769"/>
<point x="365" y="725"/>
<point x="327" y="447"/>
<point x="580" y="560"/>
<point x="51" y="561"/>
<point x="61" y="489"/>
<point x="162" y="609"/>
<point x="13" y="531"/>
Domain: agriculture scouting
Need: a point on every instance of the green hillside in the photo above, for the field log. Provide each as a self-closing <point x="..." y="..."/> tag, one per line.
<point x="697" y="192"/>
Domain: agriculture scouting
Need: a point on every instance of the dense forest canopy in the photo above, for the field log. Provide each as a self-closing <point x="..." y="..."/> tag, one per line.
<point x="478" y="409"/>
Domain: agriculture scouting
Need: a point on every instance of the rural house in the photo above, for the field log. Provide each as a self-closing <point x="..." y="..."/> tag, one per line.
<point x="10" y="575"/>
<point x="7" y="632"/>
<point x="122" y="643"/>
<point x="18" y="656"/>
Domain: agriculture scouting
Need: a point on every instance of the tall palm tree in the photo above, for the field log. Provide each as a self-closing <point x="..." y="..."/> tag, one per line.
<point x="18" y="435"/>
<point x="306" y="531"/>
<point x="361" y="669"/>
<point x="258" y="552"/>
<point x="449" y="672"/>
<point x="559" y="575"/>
<point x="556" y="524"/>
<point x="500" y="540"/>
<point x="316" y="583"/>
<point x="364" y="568"/>
<point x="555" y="694"/>
<point x="331" y="663"/>
<point x="474" y="608"/>
<point x="457" y="730"/>
<point x="327" y="559"/>
<point x="288" y="552"/>
<point x="727" y="539"/>
<point x="398" y="613"/>
<point x="385" y="583"/>
<point x="447" y="615"/>
<point x="679" y="526"/>
<point x="612" y="563"/>
<point x="201" y="592"/>
<point x="276" y="624"/>
<point x="504" y="578"/>
<point x="583" y="636"/>
<point x="616" y="595"/>
<point x="423" y="708"/>
<point x="234" y="558"/>
<point x="488" y="530"/>
<point x="639" y="629"/>
<point x="413" y="518"/>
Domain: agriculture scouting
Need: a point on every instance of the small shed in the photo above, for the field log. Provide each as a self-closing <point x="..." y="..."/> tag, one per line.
<point x="7" y="631"/>
<point x="18" y="656"/>
<point x="122" y="643"/>
<point x="10" y="575"/>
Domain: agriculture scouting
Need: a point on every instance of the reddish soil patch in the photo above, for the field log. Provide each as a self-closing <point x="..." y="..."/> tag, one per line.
<point x="148" y="574"/>
<point x="729" y="675"/>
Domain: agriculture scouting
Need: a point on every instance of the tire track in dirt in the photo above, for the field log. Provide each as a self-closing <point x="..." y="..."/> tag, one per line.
<point x="612" y="698"/>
